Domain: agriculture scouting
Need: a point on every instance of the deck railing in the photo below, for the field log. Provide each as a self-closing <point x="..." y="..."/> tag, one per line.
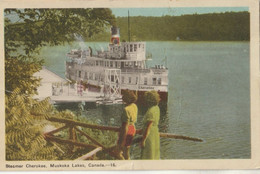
<point x="125" y="70"/>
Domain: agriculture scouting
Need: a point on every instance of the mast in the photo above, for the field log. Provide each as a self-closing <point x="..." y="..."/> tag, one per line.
<point x="129" y="39"/>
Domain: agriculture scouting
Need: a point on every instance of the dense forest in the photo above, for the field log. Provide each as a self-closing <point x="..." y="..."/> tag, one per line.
<point x="229" y="26"/>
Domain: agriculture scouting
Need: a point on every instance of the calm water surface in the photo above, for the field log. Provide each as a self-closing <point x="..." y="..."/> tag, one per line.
<point x="208" y="97"/>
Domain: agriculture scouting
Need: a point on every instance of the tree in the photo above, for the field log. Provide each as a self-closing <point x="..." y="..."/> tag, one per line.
<point x="38" y="27"/>
<point x="25" y="121"/>
<point x="34" y="28"/>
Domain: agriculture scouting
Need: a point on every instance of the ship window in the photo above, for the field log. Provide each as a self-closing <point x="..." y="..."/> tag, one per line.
<point x="131" y="48"/>
<point x="159" y="81"/>
<point x="145" y="81"/>
<point x="123" y="79"/>
<point x="154" y="81"/>
<point x="79" y="75"/>
<point x="135" y="47"/>
<point x="112" y="78"/>
<point x="129" y="80"/>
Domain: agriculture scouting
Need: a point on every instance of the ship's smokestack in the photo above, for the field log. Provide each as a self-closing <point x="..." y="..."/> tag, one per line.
<point x="115" y="36"/>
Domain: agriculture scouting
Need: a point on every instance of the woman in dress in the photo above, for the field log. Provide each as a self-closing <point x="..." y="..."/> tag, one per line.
<point x="128" y="118"/>
<point x="150" y="143"/>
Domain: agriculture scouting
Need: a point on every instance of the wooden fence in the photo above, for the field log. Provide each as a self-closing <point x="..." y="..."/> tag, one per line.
<point x="72" y="141"/>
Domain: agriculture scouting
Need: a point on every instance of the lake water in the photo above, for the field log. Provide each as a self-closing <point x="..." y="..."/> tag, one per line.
<point x="209" y="97"/>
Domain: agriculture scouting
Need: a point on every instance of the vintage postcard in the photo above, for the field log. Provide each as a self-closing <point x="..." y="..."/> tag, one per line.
<point x="129" y="85"/>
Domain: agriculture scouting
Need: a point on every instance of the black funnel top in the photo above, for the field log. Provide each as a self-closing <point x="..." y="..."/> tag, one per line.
<point x="115" y="31"/>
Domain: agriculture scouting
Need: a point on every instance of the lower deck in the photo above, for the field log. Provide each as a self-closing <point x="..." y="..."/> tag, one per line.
<point x="128" y="78"/>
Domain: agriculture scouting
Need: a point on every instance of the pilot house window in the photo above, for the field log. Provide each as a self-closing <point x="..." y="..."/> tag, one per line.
<point x="135" y="47"/>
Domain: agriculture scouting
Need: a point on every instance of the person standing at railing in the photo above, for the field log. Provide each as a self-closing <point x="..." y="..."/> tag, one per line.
<point x="128" y="119"/>
<point x="150" y="143"/>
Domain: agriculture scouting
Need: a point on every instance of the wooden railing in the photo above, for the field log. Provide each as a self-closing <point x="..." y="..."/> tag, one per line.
<point x="96" y="147"/>
<point x="73" y="129"/>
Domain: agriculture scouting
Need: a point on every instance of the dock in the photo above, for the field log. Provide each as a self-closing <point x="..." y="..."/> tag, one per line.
<point x="70" y="95"/>
<point x="85" y="97"/>
<point x="61" y="90"/>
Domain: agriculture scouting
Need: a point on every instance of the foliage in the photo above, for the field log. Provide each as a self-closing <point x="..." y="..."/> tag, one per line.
<point x="106" y="138"/>
<point x="54" y="26"/>
<point x="19" y="73"/>
<point x="25" y="121"/>
<point x="34" y="28"/>
<point x="229" y="26"/>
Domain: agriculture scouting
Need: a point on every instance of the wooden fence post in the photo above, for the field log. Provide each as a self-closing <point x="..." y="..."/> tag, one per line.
<point x="72" y="137"/>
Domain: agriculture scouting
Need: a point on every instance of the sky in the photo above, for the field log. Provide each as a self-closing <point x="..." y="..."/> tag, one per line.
<point x="178" y="11"/>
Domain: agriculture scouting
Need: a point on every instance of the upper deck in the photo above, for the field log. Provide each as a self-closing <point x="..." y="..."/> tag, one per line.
<point x="133" y="51"/>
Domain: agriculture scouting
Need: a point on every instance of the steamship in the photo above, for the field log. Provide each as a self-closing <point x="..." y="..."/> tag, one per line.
<point x="121" y="67"/>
